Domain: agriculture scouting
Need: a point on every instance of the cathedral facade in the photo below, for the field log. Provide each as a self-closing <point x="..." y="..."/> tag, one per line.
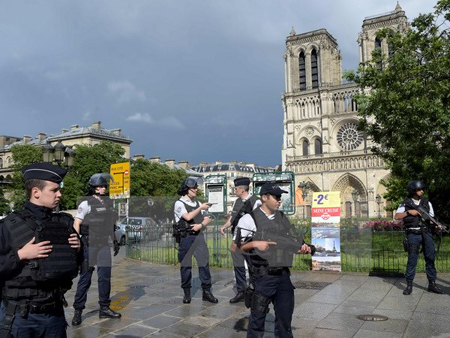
<point x="321" y="142"/>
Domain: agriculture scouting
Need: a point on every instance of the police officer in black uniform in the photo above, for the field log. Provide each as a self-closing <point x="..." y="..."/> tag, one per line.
<point x="188" y="211"/>
<point x="39" y="252"/>
<point x="270" y="262"/>
<point x="244" y="204"/>
<point x="418" y="233"/>
<point x="95" y="221"/>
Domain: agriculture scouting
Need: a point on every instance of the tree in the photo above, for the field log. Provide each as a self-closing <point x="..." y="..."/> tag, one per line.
<point x="4" y="205"/>
<point x="88" y="161"/>
<point x="156" y="182"/>
<point x="404" y="106"/>
<point x="22" y="155"/>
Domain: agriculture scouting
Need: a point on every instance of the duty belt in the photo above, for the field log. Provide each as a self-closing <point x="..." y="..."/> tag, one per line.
<point x="36" y="308"/>
<point x="415" y="231"/>
<point x="265" y="270"/>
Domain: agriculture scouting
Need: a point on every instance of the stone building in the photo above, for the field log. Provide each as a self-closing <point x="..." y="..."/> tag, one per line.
<point x="321" y="143"/>
<point x="90" y="135"/>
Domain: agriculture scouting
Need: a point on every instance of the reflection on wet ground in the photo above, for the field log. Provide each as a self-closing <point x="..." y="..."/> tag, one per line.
<point x="149" y="298"/>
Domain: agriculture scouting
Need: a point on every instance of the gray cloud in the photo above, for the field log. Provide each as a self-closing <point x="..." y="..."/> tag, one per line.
<point x="211" y="71"/>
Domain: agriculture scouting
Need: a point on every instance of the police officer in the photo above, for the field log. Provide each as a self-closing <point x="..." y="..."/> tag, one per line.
<point x="189" y="211"/>
<point x="95" y="221"/>
<point x="418" y="233"/>
<point x="270" y="263"/>
<point x="244" y="204"/>
<point x="38" y="258"/>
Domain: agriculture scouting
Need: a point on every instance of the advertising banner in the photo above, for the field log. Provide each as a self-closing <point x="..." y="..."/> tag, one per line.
<point x="326" y="215"/>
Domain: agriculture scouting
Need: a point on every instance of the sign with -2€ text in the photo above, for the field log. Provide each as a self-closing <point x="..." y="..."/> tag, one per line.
<point x="120" y="188"/>
<point x="326" y="207"/>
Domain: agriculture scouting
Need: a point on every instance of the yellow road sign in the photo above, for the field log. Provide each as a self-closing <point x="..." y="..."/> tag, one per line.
<point x="121" y="186"/>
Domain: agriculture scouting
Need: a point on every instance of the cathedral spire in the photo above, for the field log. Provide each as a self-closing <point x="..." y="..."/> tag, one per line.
<point x="398" y="8"/>
<point x="292" y="33"/>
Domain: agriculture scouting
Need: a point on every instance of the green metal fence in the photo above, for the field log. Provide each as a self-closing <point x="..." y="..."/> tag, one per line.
<point x="362" y="249"/>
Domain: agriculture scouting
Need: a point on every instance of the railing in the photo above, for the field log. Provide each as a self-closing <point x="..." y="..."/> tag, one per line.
<point x="362" y="249"/>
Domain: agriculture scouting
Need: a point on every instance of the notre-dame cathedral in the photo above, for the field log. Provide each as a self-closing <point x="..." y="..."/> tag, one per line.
<point x="321" y="143"/>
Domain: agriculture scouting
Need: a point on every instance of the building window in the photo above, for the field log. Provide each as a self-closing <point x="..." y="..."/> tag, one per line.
<point x="318" y="146"/>
<point x="314" y="69"/>
<point x="302" y="70"/>
<point x="349" y="137"/>
<point x="1" y="163"/>
<point x="305" y="148"/>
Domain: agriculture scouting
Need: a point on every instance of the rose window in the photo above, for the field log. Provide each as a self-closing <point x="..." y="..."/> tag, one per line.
<point x="348" y="136"/>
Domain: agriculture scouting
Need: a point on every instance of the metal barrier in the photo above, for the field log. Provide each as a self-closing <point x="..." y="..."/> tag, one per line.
<point x="362" y="249"/>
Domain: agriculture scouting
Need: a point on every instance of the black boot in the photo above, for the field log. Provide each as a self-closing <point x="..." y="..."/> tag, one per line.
<point x="106" y="312"/>
<point x="187" y="296"/>
<point x="238" y="298"/>
<point x="76" y="318"/>
<point x="408" y="289"/>
<point x="208" y="296"/>
<point x="432" y="287"/>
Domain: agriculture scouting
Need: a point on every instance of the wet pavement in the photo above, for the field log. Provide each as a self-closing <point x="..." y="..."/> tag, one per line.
<point x="149" y="298"/>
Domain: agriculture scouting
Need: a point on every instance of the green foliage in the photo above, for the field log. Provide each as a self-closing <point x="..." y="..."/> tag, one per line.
<point x="88" y="161"/>
<point x="405" y="106"/>
<point x="22" y="155"/>
<point x="4" y="205"/>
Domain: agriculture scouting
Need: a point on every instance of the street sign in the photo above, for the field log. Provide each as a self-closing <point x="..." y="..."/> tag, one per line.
<point x="121" y="186"/>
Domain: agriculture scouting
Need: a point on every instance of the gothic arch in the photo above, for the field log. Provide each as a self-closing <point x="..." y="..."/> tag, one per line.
<point x="346" y="183"/>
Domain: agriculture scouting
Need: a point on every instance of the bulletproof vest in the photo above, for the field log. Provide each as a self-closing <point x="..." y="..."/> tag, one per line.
<point x="414" y="221"/>
<point x="274" y="257"/>
<point x="56" y="270"/>
<point x="197" y="219"/>
<point x="98" y="224"/>
<point x="241" y="208"/>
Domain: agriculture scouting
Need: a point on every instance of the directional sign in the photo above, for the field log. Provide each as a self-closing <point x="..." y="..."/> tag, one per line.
<point x="121" y="186"/>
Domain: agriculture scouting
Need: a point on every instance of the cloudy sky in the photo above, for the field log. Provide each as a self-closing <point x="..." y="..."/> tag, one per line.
<point x="195" y="80"/>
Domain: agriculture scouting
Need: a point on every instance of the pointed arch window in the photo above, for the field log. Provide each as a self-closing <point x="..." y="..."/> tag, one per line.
<point x="314" y="69"/>
<point x="305" y="145"/>
<point x="302" y="70"/>
<point x="318" y="146"/>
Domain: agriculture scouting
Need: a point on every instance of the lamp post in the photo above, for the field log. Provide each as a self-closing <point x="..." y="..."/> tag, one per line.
<point x="305" y="188"/>
<point x="378" y="199"/>
<point x="355" y="196"/>
<point x="59" y="153"/>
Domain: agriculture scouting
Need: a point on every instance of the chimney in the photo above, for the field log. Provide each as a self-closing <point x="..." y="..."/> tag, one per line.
<point x="203" y="163"/>
<point x="96" y="125"/>
<point x="26" y="139"/>
<point x="42" y="136"/>
<point x="183" y="164"/>
<point x="74" y="126"/>
<point x="64" y="130"/>
<point x="170" y="163"/>
<point x="155" y="159"/>
<point x="116" y="131"/>
<point x="138" y="156"/>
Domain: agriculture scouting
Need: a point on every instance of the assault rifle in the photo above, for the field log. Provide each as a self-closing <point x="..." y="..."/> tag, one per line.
<point x="289" y="244"/>
<point x="426" y="217"/>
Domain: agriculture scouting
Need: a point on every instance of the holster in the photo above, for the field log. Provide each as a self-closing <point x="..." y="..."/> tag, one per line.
<point x="405" y="244"/>
<point x="248" y="295"/>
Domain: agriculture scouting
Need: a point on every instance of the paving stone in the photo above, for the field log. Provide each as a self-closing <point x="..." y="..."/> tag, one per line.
<point x="147" y="312"/>
<point x="394" y="314"/>
<point x="428" y="325"/>
<point x="373" y="334"/>
<point x="135" y="330"/>
<point x="202" y="320"/>
<point x="354" y="307"/>
<point x="185" y="330"/>
<point x="161" y="321"/>
<point x="88" y="332"/>
<point x="311" y="310"/>
<point x="328" y="333"/>
<point x="374" y="297"/>
<point x="341" y="321"/>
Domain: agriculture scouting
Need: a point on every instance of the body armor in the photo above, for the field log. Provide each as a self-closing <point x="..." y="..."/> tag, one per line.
<point x="98" y="224"/>
<point x="184" y="226"/>
<point x="240" y="209"/>
<point x="39" y="278"/>
<point x="275" y="257"/>
<point x="414" y="221"/>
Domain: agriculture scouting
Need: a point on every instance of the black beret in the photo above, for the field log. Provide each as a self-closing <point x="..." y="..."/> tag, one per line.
<point x="241" y="181"/>
<point x="44" y="171"/>
<point x="271" y="188"/>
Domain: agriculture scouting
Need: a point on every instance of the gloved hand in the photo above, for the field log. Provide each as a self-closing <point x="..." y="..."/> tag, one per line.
<point x="116" y="248"/>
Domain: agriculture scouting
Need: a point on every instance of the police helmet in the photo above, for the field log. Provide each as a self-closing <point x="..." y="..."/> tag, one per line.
<point x="100" y="179"/>
<point x="415" y="185"/>
<point x="187" y="184"/>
